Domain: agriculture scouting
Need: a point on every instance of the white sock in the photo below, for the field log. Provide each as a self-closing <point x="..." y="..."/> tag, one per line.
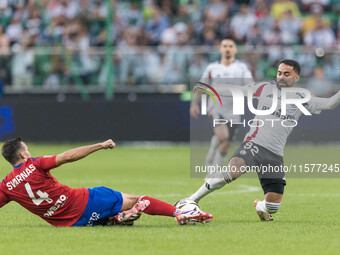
<point x="272" y="207"/>
<point x="268" y="207"/>
<point x="217" y="181"/>
<point x="212" y="150"/>
<point x="219" y="159"/>
<point x="201" y="192"/>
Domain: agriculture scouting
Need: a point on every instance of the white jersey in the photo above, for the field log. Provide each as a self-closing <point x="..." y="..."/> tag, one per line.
<point x="236" y="73"/>
<point x="272" y="134"/>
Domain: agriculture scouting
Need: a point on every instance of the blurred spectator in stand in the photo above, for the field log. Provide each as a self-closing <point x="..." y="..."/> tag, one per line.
<point x="254" y="41"/>
<point x="67" y="8"/>
<point x="264" y="20"/>
<point x="156" y="67"/>
<point x="216" y="10"/>
<point x="4" y="57"/>
<point x="4" y="43"/>
<point x="14" y="30"/>
<point x="319" y="85"/>
<point x="241" y="24"/>
<point x="33" y="23"/>
<point x="337" y="41"/>
<point x="22" y="63"/>
<point x="56" y="75"/>
<point x="131" y="66"/>
<point x="96" y="18"/>
<point x="290" y="28"/>
<point x="182" y="15"/>
<point x="168" y="7"/>
<point x="206" y="32"/>
<point x="52" y="35"/>
<point x="77" y="44"/>
<point x="311" y="21"/>
<point x="117" y="33"/>
<point x="5" y="13"/>
<point x="260" y="7"/>
<point x="254" y="37"/>
<point x="173" y="43"/>
<point x="132" y="16"/>
<point x="308" y="60"/>
<point x="320" y="37"/>
<point x="307" y="5"/>
<point x="196" y="17"/>
<point x="178" y="55"/>
<point x="197" y="66"/>
<point x="335" y="6"/>
<point x="225" y="30"/>
<point x="273" y="37"/>
<point x="331" y="65"/>
<point x="156" y="25"/>
<point x="209" y="37"/>
<point x="280" y="6"/>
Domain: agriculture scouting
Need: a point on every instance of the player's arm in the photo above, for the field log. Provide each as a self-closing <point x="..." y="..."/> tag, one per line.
<point x="318" y="103"/>
<point x="194" y="107"/>
<point x="82" y="152"/>
<point x="3" y="199"/>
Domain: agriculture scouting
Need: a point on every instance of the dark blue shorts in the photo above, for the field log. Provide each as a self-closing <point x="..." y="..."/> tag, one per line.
<point x="103" y="202"/>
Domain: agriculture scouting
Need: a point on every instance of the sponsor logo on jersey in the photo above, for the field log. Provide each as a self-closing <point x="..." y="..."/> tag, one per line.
<point x="60" y="202"/>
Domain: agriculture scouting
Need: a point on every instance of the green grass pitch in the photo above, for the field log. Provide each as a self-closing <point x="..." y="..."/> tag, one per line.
<point x="307" y="223"/>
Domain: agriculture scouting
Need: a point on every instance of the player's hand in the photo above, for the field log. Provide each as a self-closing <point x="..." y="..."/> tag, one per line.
<point x="108" y="144"/>
<point x="194" y="110"/>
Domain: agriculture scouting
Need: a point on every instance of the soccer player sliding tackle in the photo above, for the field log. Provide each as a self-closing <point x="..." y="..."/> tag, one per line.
<point x="32" y="186"/>
<point x="264" y="144"/>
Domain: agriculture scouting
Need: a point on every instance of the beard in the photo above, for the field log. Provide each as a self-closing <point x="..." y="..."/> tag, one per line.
<point x="281" y="84"/>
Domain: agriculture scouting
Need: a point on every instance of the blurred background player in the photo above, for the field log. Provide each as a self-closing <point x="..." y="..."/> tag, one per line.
<point x="264" y="144"/>
<point x="31" y="185"/>
<point x="228" y="70"/>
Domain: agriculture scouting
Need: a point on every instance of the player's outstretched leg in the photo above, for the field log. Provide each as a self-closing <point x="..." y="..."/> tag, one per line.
<point x="219" y="179"/>
<point x="127" y="217"/>
<point x="158" y="207"/>
<point x="131" y="210"/>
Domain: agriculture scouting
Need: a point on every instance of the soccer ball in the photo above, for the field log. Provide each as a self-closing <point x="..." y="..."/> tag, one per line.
<point x="187" y="205"/>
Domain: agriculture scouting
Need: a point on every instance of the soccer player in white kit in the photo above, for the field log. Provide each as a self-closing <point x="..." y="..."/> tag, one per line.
<point x="232" y="71"/>
<point x="264" y="145"/>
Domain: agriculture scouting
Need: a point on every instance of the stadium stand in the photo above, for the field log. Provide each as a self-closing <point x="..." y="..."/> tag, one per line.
<point x="58" y="43"/>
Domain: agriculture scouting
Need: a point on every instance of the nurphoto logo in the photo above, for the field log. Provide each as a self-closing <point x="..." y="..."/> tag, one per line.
<point x="238" y="96"/>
